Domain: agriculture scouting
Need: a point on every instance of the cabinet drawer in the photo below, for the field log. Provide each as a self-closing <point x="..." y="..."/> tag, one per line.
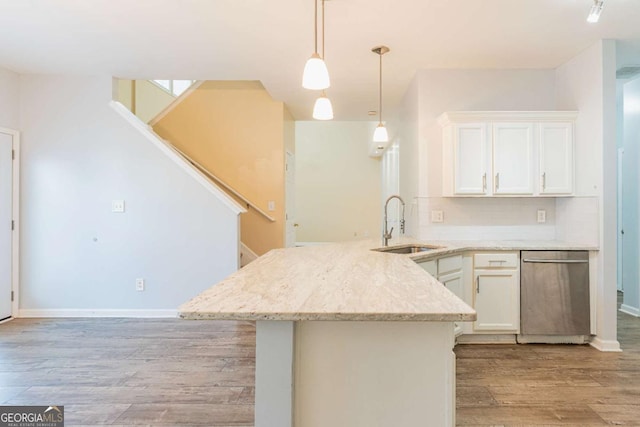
<point x="496" y="260"/>
<point x="449" y="264"/>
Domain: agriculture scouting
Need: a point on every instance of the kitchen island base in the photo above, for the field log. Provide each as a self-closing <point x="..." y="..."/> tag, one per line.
<point x="354" y="373"/>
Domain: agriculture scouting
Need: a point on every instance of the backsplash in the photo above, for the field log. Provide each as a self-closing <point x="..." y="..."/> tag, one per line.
<point x="577" y="220"/>
<point x="486" y="218"/>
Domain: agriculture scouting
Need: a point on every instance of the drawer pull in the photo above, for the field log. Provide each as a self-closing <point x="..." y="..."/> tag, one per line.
<point x="477" y="284"/>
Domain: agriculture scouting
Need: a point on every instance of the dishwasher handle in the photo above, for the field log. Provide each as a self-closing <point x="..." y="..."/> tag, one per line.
<point x="556" y="261"/>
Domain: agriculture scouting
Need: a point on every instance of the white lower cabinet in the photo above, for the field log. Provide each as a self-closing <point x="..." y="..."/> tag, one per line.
<point x="454" y="282"/>
<point x="496" y="281"/>
<point x="450" y="272"/>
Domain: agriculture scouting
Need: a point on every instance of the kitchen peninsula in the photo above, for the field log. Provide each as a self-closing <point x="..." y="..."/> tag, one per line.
<point x="345" y="336"/>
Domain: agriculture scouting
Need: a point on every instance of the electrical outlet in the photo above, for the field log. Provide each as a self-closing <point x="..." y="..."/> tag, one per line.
<point x="542" y="216"/>
<point x="139" y="284"/>
<point x="437" y="216"/>
<point x="271" y="206"/>
<point x="117" y="206"/>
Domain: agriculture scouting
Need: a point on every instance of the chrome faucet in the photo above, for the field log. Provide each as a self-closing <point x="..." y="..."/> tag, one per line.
<point x="387" y="234"/>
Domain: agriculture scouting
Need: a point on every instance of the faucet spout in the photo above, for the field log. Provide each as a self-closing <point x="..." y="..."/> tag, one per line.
<point x="386" y="233"/>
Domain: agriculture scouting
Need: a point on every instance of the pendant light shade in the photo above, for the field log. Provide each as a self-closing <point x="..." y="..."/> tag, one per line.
<point x="316" y="75"/>
<point x="322" y="110"/>
<point x="380" y="134"/>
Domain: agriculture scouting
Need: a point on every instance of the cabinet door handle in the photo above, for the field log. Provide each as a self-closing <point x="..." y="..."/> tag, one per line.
<point x="477" y="284"/>
<point x="544" y="181"/>
<point x="497" y="181"/>
<point x="484" y="182"/>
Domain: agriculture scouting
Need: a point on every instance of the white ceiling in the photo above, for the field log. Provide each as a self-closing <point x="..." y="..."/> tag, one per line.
<point x="271" y="40"/>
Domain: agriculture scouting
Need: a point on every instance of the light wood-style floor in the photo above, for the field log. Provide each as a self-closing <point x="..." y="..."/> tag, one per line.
<point x="172" y="372"/>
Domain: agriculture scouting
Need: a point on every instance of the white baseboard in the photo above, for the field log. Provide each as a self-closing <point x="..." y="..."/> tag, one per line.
<point x="632" y="311"/>
<point x="606" y="345"/>
<point x="97" y="313"/>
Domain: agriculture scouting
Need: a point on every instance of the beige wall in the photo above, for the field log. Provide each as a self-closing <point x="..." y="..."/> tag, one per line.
<point x="236" y="130"/>
<point x="338" y="186"/>
<point x="125" y="93"/>
<point x="149" y="99"/>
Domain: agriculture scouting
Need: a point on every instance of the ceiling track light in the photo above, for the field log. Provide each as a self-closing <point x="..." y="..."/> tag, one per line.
<point x="316" y="75"/>
<point x="596" y="10"/>
<point x="380" y="134"/>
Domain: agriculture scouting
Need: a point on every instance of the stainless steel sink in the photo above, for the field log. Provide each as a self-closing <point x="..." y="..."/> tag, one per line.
<point x="406" y="249"/>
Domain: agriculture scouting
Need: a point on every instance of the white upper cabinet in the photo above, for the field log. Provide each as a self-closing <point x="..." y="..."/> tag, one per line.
<point x="513" y="158"/>
<point x="470" y="158"/>
<point x="512" y="153"/>
<point x="556" y="158"/>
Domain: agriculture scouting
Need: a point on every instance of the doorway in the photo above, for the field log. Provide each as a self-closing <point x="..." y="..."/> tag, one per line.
<point x="8" y="209"/>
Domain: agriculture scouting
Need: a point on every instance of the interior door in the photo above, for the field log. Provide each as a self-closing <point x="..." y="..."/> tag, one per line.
<point x="6" y="208"/>
<point x="290" y="185"/>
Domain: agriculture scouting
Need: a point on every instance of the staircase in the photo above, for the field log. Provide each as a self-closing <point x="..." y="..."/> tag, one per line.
<point x="235" y="135"/>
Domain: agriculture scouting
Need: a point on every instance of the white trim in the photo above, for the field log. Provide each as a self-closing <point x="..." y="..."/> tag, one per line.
<point x="175" y="102"/>
<point x="606" y="345"/>
<point x="175" y="157"/>
<point x="506" y="116"/>
<point x="72" y="312"/>
<point x="15" y="242"/>
<point x="632" y="311"/>
<point x="220" y="182"/>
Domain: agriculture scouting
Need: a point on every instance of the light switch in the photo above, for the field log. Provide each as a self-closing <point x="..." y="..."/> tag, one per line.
<point x="271" y="206"/>
<point x="117" y="206"/>
<point x="139" y="285"/>
<point x="542" y="216"/>
<point x="437" y="216"/>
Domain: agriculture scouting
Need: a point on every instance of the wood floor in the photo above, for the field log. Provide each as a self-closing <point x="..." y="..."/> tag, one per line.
<point x="168" y="372"/>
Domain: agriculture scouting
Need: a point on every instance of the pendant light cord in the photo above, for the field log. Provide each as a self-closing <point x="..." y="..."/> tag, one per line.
<point x="380" y="100"/>
<point x="323" y="30"/>
<point x="315" y="26"/>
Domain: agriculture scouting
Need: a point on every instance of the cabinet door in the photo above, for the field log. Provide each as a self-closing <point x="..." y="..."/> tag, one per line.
<point x="512" y="158"/>
<point x="430" y="267"/>
<point x="470" y="149"/>
<point x="454" y="283"/>
<point x="556" y="158"/>
<point x="497" y="300"/>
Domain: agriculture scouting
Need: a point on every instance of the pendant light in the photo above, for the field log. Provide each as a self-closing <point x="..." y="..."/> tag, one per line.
<point x="380" y="134"/>
<point x="315" y="75"/>
<point x="322" y="109"/>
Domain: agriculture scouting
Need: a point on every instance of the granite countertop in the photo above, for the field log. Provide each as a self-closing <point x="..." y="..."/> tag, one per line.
<point x="458" y="246"/>
<point x="346" y="281"/>
<point x="341" y="281"/>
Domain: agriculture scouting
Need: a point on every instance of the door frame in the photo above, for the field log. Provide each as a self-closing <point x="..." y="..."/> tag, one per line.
<point x="620" y="240"/>
<point x="15" y="238"/>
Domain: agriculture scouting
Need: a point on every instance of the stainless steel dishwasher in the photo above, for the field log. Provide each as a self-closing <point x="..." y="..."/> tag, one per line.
<point x="554" y="294"/>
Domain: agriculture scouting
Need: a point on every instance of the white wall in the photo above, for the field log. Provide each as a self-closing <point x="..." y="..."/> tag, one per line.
<point x="630" y="212"/>
<point x="9" y="99"/>
<point x="338" y="186"/>
<point x="77" y="156"/>
<point x="404" y="130"/>
<point x="434" y="92"/>
<point x="587" y="83"/>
